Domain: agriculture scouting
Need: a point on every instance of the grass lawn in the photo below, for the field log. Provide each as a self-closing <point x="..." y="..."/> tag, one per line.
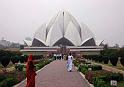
<point x="119" y="66"/>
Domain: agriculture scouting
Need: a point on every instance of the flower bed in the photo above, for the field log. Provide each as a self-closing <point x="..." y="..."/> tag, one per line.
<point x="8" y="79"/>
<point x="100" y="77"/>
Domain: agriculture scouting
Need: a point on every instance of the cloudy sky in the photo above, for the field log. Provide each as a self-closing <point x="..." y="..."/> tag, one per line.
<point x="21" y="18"/>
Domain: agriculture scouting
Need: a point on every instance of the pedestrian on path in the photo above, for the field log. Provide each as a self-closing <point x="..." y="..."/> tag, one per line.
<point x="30" y="72"/>
<point x="69" y="62"/>
<point x="89" y="75"/>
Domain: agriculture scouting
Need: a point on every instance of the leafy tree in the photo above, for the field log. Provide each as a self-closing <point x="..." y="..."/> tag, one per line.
<point x="5" y="60"/>
<point x="15" y="59"/>
<point x="113" y="56"/>
<point x="121" y="54"/>
<point x="23" y="58"/>
<point x="105" y="59"/>
<point x="110" y="54"/>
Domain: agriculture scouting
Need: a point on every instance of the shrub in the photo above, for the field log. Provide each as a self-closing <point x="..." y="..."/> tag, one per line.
<point x="9" y="82"/>
<point x="96" y="67"/>
<point x="76" y="62"/>
<point x="122" y="61"/>
<point x="42" y="64"/>
<point x="23" y="58"/>
<point x="115" y="76"/>
<point x="83" y="69"/>
<point x="5" y="60"/>
<point x="121" y="52"/>
<point x="105" y="59"/>
<point x="19" y="67"/>
<point x="2" y="77"/>
<point x="97" y="82"/>
<point x="114" y="60"/>
<point x="100" y="59"/>
<point x="15" y="59"/>
<point x="112" y="54"/>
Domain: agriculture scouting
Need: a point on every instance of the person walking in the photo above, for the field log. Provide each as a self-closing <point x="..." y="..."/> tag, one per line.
<point x="30" y="72"/>
<point x="89" y="75"/>
<point x="69" y="62"/>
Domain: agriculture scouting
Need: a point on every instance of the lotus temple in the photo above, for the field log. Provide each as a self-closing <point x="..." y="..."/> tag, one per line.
<point x="61" y="35"/>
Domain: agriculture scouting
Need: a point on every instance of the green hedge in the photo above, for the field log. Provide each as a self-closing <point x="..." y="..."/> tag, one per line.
<point x="8" y="82"/>
<point x="19" y="67"/>
<point x="2" y="77"/>
<point x="104" y="80"/>
<point x="42" y="64"/>
<point x="83" y="68"/>
<point x="96" y="67"/>
<point x="97" y="82"/>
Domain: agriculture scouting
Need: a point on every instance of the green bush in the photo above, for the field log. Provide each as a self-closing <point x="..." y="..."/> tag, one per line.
<point x="83" y="69"/>
<point x="112" y="54"/>
<point x="76" y="63"/>
<point x="19" y="67"/>
<point x="114" y="60"/>
<point x="5" y="60"/>
<point x="121" y="52"/>
<point x="9" y="82"/>
<point x="22" y="59"/>
<point x="115" y="76"/>
<point x="15" y="59"/>
<point x="96" y="67"/>
<point x="122" y="61"/>
<point x="42" y="64"/>
<point x="2" y="77"/>
<point x="97" y="82"/>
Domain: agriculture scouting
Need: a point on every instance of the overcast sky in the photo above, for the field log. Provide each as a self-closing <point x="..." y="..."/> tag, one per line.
<point x="21" y="18"/>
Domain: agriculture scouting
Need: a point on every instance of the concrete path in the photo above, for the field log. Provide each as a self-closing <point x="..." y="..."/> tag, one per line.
<point x="56" y="75"/>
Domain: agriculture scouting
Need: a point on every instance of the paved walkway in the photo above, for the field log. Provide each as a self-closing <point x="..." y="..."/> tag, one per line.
<point x="56" y="75"/>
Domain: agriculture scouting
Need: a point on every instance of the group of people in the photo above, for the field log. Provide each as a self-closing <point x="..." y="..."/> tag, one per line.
<point x="30" y="69"/>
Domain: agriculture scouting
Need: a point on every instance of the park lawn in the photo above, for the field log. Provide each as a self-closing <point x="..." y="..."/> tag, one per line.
<point x="119" y="66"/>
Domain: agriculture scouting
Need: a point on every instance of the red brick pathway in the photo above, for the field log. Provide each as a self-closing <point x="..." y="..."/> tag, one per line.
<point x="56" y="75"/>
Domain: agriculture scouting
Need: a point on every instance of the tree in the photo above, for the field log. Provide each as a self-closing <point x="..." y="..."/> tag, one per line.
<point x="15" y="59"/>
<point x="5" y="60"/>
<point x="110" y="54"/>
<point x="121" y="54"/>
<point x="113" y="56"/>
<point x="23" y="58"/>
<point x="105" y="59"/>
<point x="5" y="57"/>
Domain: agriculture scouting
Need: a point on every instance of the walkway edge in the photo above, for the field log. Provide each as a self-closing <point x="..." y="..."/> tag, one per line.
<point x="36" y="72"/>
<point x="91" y="85"/>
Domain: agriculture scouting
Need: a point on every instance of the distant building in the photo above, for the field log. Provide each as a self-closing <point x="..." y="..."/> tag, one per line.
<point x="4" y="44"/>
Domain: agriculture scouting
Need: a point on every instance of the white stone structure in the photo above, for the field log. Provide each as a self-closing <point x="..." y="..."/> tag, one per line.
<point x="63" y="29"/>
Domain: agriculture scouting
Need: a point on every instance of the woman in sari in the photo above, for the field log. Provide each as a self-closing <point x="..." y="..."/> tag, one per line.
<point x="69" y="62"/>
<point x="30" y="72"/>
